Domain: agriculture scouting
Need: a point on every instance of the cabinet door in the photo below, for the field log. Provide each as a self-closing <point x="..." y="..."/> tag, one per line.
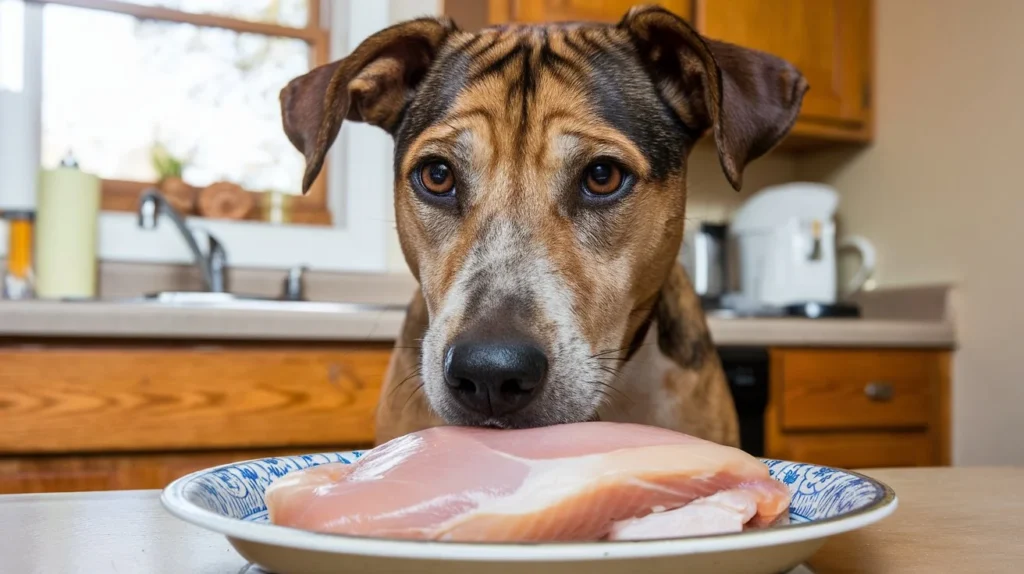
<point x="828" y="40"/>
<point x="142" y="398"/>
<point x="534" y="11"/>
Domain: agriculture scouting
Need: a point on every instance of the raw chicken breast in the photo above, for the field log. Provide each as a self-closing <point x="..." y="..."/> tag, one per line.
<point x="725" y="511"/>
<point x="584" y="481"/>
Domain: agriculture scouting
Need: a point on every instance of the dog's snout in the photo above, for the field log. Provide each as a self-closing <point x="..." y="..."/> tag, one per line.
<point x="495" y="378"/>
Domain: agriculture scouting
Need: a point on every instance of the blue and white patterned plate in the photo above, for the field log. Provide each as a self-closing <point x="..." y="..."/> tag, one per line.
<point x="228" y="499"/>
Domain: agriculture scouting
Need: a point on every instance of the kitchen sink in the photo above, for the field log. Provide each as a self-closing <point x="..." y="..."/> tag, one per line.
<point x="231" y="301"/>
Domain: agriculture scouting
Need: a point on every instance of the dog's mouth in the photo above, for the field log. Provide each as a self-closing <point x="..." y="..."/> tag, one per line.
<point x="544" y="412"/>
<point x="513" y="421"/>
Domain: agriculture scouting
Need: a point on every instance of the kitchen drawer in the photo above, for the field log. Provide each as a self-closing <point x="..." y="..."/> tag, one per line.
<point x="857" y="450"/>
<point x="93" y="398"/>
<point x="854" y="389"/>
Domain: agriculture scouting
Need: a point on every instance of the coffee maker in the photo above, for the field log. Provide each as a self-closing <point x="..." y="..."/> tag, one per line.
<point x="786" y="240"/>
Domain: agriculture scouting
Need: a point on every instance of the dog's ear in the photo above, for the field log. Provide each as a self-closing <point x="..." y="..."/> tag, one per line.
<point x="371" y="85"/>
<point x="750" y="99"/>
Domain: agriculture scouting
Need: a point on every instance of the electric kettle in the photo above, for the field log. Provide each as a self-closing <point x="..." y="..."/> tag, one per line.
<point x="786" y="239"/>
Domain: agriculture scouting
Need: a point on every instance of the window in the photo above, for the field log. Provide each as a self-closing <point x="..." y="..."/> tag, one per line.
<point x="195" y="81"/>
<point x="346" y="223"/>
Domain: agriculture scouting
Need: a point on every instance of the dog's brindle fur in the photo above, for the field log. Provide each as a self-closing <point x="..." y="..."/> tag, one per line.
<point x="519" y="112"/>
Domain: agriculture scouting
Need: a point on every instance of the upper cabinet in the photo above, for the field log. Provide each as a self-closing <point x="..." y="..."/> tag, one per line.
<point x="533" y="11"/>
<point x="830" y="41"/>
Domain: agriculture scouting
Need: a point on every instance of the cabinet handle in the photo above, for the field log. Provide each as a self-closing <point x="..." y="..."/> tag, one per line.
<point x="879" y="391"/>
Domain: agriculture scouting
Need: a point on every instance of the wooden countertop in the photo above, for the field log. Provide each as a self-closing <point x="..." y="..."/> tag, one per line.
<point x="116" y="320"/>
<point x="949" y="519"/>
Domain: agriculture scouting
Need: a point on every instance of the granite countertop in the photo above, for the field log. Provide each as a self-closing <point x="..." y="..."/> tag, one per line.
<point x="45" y="319"/>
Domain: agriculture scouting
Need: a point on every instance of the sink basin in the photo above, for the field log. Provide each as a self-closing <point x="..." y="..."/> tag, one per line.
<point x="197" y="299"/>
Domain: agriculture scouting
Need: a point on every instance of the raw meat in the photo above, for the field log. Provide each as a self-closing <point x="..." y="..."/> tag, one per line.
<point x="725" y="511"/>
<point x="576" y="482"/>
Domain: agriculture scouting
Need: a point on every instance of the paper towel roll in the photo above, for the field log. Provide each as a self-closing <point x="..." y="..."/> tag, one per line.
<point x="66" y="215"/>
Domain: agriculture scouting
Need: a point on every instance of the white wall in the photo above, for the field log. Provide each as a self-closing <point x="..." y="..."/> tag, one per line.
<point x="940" y="194"/>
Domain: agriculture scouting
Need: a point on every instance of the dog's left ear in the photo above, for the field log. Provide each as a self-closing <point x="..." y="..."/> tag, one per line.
<point x="750" y="98"/>
<point x="371" y="85"/>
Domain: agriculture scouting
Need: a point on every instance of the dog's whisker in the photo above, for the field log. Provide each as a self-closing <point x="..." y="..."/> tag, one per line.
<point x="608" y="352"/>
<point x="610" y="387"/>
<point x="411" y="395"/>
<point x="416" y="372"/>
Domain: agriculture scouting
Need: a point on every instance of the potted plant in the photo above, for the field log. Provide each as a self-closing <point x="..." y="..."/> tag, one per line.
<point x="179" y="194"/>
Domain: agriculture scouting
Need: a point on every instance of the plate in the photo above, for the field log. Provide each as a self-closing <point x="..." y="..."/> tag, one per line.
<point x="228" y="499"/>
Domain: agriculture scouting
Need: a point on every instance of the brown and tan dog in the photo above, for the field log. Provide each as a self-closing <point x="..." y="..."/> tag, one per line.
<point x="540" y="195"/>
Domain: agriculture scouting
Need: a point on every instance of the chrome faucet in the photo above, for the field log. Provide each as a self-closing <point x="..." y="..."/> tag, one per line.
<point x="212" y="267"/>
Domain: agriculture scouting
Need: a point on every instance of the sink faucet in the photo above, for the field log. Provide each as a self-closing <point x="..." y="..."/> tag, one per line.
<point x="212" y="267"/>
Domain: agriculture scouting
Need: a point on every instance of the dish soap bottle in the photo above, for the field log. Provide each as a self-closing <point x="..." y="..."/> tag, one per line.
<point x="18" y="281"/>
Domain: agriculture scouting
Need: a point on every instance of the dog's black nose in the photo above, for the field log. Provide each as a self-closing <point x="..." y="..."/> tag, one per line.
<point x="495" y="378"/>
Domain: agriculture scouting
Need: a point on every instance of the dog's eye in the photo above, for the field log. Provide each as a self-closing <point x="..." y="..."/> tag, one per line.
<point x="602" y="178"/>
<point x="437" y="178"/>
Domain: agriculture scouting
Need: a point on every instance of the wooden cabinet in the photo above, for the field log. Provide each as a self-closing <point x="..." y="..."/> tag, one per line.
<point x="135" y="415"/>
<point x="86" y="472"/>
<point x="857" y="408"/>
<point x="536" y="11"/>
<point x="828" y="40"/>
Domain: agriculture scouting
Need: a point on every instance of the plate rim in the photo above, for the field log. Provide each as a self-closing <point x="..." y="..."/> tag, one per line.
<point x="174" y="501"/>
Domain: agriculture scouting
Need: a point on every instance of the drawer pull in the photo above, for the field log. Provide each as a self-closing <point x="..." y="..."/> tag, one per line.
<point x="880" y="392"/>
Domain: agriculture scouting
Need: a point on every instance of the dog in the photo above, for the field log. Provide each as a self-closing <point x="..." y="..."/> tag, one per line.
<point x="540" y="198"/>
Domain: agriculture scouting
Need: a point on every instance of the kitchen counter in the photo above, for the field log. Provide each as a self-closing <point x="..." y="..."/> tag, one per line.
<point x="964" y="519"/>
<point x="46" y="319"/>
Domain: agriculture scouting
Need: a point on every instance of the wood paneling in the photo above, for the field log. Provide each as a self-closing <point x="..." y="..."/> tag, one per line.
<point x="146" y="399"/>
<point x="537" y="11"/>
<point x="829" y="389"/>
<point x="118" y="472"/>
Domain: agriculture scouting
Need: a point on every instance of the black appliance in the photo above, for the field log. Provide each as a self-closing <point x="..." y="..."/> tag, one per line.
<point x="746" y="370"/>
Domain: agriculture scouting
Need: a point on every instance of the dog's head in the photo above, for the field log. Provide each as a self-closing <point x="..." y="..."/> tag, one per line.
<point x="540" y="187"/>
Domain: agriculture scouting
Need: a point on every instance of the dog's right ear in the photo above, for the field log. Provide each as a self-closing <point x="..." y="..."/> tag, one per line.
<point x="371" y="85"/>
